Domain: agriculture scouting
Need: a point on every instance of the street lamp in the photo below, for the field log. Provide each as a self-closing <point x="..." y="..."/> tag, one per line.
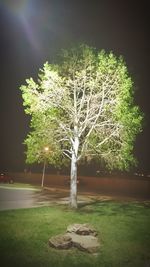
<point x="46" y="149"/>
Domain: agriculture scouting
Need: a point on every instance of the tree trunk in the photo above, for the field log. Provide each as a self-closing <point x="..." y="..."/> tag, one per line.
<point x="73" y="182"/>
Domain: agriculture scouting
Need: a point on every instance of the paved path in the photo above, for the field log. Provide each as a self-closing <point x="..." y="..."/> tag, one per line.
<point x="17" y="198"/>
<point x="12" y="197"/>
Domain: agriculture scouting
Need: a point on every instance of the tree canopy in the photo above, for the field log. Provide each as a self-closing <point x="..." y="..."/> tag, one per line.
<point x="92" y="91"/>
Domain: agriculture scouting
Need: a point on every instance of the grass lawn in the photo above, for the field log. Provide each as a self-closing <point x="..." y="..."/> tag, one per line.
<point x="124" y="234"/>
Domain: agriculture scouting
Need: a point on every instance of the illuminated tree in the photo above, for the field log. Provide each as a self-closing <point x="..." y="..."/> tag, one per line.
<point x="87" y="104"/>
<point x="42" y="136"/>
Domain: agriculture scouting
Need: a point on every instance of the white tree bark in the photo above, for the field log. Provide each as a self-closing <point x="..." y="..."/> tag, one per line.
<point x="73" y="174"/>
<point x="73" y="182"/>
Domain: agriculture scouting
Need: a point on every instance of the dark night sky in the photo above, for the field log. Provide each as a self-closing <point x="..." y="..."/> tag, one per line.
<point x="33" y="31"/>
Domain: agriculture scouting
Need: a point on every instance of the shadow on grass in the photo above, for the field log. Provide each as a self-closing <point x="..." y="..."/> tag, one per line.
<point x="109" y="208"/>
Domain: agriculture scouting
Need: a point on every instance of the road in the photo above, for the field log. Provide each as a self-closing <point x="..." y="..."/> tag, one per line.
<point x="13" y="198"/>
<point x="18" y="198"/>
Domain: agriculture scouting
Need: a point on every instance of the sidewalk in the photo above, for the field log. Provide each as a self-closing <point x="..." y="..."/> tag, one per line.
<point x="61" y="196"/>
<point x="28" y="196"/>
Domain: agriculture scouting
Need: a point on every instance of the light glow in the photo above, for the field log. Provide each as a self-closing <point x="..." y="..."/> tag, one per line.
<point x="46" y="148"/>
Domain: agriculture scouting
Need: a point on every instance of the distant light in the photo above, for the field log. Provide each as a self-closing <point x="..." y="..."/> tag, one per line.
<point x="46" y="148"/>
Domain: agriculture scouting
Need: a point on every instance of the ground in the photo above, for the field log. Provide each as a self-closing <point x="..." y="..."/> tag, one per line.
<point x="122" y="226"/>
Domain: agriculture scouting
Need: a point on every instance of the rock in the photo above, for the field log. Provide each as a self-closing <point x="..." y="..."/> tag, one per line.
<point x="86" y="243"/>
<point x="61" y="242"/>
<point x="81" y="236"/>
<point x="81" y="229"/>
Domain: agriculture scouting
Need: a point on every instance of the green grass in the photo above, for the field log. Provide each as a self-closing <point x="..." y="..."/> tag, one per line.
<point x="123" y="231"/>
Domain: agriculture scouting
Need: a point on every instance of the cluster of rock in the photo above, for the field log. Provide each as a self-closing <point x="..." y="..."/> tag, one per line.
<point x="81" y="236"/>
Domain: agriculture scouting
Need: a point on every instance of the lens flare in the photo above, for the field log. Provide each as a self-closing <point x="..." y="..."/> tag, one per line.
<point x="24" y="12"/>
<point x="30" y="33"/>
<point x="16" y="6"/>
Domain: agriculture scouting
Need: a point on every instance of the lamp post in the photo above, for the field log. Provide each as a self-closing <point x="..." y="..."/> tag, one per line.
<point x="46" y="149"/>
